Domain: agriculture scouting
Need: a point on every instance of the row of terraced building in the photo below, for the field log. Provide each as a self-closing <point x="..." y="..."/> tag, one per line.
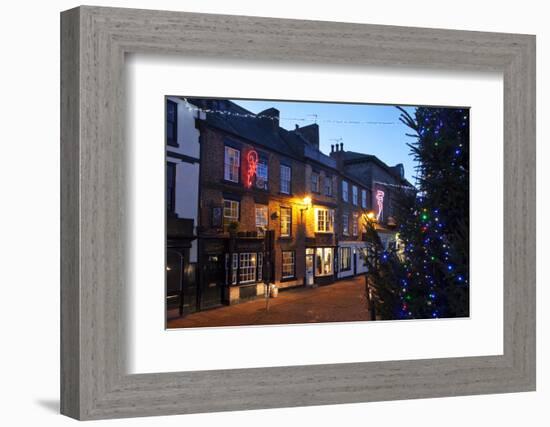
<point x="249" y="203"/>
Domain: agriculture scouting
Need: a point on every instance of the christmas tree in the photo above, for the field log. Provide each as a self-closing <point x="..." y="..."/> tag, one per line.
<point x="434" y="222"/>
<point x="384" y="273"/>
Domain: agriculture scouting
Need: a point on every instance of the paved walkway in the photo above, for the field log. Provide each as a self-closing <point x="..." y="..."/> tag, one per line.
<point x="343" y="301"/>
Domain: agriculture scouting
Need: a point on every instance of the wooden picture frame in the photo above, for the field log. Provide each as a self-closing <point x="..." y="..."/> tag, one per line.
<point x="94" y="382"/>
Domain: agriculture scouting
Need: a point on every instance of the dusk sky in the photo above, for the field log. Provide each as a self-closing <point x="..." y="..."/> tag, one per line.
<point x="376" y="128"/>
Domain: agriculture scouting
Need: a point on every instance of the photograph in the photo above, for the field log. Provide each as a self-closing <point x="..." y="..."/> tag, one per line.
<point x="292" y="212"/>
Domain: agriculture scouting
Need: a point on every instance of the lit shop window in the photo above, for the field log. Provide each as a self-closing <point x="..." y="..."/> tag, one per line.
<point x="247" y="267"/>
<point x="323" y="261"/>
<point x="345" y="259"/>
<point x="232" y="164"/>
<point x="286" y="175"/>
<point x="324" y="220"/>
<point x="289" y="264"/>
<point x="286" y="222"/>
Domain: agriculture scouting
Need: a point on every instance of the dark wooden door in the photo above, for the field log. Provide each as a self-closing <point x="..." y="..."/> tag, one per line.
<point x="212" y="281"/>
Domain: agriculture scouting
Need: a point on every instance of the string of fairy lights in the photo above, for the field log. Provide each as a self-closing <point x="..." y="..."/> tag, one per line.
<point x="312" y="117"/>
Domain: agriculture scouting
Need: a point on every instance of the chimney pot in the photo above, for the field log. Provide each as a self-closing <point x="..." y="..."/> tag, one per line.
<point x="341" y="146"/>
<point x="332" y="148"/>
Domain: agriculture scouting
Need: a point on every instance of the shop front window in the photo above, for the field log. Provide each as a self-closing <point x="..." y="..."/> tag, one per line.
<point x="324" y="261"/>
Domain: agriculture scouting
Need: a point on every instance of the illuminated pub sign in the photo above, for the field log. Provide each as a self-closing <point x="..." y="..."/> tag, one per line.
<point x="379" y="204"/>
<point x="255" y="170"/>
<point x="251" y="167"/>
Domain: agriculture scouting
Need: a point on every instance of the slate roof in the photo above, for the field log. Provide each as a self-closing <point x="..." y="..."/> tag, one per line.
<point x="352" y="157"/>
<point x="285" y="142"/>
<point x="245" y="124"/>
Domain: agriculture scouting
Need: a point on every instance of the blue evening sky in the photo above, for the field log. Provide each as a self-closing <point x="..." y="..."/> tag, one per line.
<point x="376" y="129"/>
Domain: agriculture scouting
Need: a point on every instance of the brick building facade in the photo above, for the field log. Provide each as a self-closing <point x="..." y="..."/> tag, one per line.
<point x="272" y="207"/>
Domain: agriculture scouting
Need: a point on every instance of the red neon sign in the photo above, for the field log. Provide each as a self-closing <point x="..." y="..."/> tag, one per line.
<point x="380" y="202"/>
<point x="252" y="160"/>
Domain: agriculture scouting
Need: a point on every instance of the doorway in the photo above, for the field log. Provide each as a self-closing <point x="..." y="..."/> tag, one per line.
<point x="211" y="288"/>
<point x="309" y="278"/>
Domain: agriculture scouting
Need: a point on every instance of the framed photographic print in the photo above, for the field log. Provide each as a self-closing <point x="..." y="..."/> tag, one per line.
<point x="292" y="213"/>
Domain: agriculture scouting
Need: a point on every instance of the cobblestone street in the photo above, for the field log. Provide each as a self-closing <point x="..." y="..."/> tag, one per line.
<point x="342" y="301"/>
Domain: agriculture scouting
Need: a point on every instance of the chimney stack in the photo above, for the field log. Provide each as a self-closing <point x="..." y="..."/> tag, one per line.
<point x="269" y="118"/>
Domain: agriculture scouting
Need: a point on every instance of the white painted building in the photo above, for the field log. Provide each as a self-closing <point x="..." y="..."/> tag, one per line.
<point x="183" y="155"/>
<point x="182" y="141"/>
<point x="351" y="258"/>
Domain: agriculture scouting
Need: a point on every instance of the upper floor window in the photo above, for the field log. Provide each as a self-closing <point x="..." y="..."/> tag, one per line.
<point x="315" y="182"/>
<point x="170" y="187"/>
<point x="286" y="221"/>
<point x="286" y="175"/>
<point x="324" y="220"/>
<point x="345" y="224"/>
<point x="328" y="186"/>
<point x="232" y="164"/>
<point x="345" y="195"/>
<point x="354" y="195"/>
<point x="364" y="199"/>
<point x="262" y="173"/>
<point x="355" y="225"/>
<point x="171" y="123"/>
<point x="261" y="218"/>
<point x="230" y="211"/>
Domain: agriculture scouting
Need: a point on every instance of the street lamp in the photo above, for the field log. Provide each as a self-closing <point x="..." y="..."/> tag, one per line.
<point x="306" y="201"/>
